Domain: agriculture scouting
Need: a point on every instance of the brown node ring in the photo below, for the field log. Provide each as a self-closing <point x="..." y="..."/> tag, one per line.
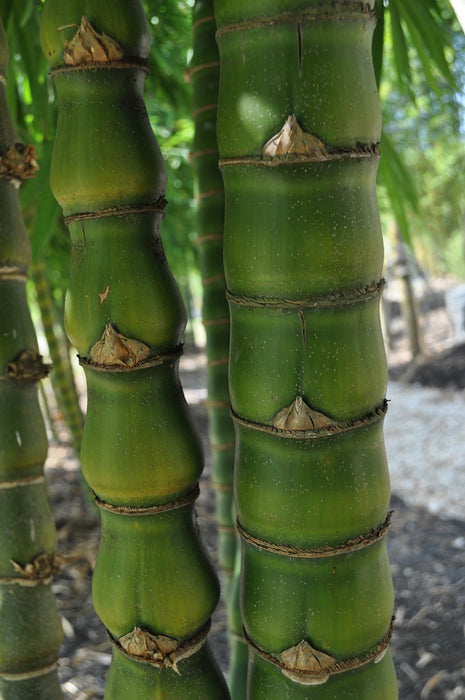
<point x="346" y="11"/>
<point x="322" y="428"/>
<point x="157" y="207"/>
<point x="352" y="545"/>
<point x="347" y="297"/>
<point x="136" y="511"/>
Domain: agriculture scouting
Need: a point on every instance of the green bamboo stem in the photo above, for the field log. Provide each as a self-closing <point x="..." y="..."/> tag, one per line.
<point x="62" y="377"/>
<point x="30" y="625"/>
<point x="298" y="128"/>
<point x="204" y="77"/>
<point x="153" y="586"/>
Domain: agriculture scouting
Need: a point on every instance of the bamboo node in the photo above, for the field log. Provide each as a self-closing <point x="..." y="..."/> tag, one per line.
<point x="22" y="482"/>
<point x="346" y="297"/>
<point x="19" y="163"/>
<point x="306" y="665"/>
<point x="113" y="348"/>
<point x="365" y="539"/>
<point x="304" y="657"/>
<point x="12" y="272"/>
<point x="332" y="427"/>
<point x="27" y="366"/>
<point x="42" y="568"/>
<point x="88" y="46"/>
<point x="136" y="511"/>
<point x="299" y="416"/>
<point x="157" y="206"/>
<point x="293" y="140"/>
<point x="36" y="673"/>
<point x="159" y="650"/>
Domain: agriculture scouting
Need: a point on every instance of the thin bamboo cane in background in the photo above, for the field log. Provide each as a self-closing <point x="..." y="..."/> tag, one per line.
<point x="30" y="626"/>
<point x="62" y="378"/>
<point x="204" y="77"/>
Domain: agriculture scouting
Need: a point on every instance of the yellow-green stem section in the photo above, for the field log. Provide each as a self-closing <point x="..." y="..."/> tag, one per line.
<point x="298" y="133"/>
<point x="154" y="587"/>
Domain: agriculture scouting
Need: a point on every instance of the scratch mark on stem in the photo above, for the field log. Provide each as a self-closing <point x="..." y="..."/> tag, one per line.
<point x="299" y="46"/>
<point x="303" y="326"/>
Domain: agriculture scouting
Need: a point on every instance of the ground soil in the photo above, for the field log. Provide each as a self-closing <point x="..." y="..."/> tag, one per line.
<point x="427" y="554"/>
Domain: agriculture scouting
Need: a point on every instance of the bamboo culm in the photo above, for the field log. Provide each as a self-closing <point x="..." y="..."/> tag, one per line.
<point x="204" y="76"/>
<point x="298" y="133"/>
<point x="30" y="625"/>
<point x="153" y="586"/>
<point x="63" y="381"/>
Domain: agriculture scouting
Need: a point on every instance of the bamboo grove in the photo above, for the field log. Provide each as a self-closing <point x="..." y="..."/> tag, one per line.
<point x="153" y="587"/>
<point x="204" y="76"/>
<point x="30" y="625"/>
<point x="285" y="156"/>
<point x="298" y="134"/>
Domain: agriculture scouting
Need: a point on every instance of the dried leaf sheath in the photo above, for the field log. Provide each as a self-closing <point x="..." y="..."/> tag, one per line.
<point x="298" y="127"/>
<point x="153" y="585"/>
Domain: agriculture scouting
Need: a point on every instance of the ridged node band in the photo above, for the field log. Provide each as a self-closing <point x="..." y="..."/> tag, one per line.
<point x="30" y="674"/>
<point x="334" y="428"/>
<point x="183" y="502"/>
<point x="321" y="675"/>
<point x="352" y="545"/>
<point x="340" y="11"/>
<point x="158" y="650"/>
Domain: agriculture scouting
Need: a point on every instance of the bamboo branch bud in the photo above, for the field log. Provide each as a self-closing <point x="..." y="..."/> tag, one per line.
<point x="19" y="163"/>
<point x="292" y="140"/>
<point x="88" y="46"/>
<point x="299" y="416"/>
<point x="113" y="348"/>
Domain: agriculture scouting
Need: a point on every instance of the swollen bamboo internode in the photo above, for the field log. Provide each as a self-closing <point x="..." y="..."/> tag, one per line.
<point x="298" y="133"/>
<point x="153" y="586"/>
<point x="30" y="626"/>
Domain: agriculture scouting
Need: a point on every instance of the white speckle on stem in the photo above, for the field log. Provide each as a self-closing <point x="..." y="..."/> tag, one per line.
<point x="32" y="529"/>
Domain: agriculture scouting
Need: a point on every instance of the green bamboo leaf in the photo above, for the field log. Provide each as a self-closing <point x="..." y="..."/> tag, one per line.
<point x="378" y="41"/>
<point x="34" y="70"/>
<point x="400" y="52"/>
<point x="400" y="186"/>
<point x="27" y="12"/>
<point x="427" y="36"/>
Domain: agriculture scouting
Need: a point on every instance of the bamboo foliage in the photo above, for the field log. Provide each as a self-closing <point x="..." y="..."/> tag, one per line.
<point x="30" y="627"/>
<point x="153" y="586"/>
<point x="204" y="76"/>
<point x="298" y="134"/>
